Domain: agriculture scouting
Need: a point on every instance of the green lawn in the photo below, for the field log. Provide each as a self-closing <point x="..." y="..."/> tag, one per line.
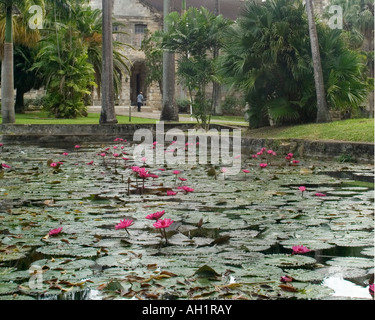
<point x="344" y="130"/>
<point x="92" y="118"/>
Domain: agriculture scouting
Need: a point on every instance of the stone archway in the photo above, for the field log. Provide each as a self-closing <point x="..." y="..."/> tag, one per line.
<point x="138" y="81"/>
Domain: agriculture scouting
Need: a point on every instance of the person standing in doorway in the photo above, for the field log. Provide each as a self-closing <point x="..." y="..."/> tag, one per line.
<point x="140" y="101"/>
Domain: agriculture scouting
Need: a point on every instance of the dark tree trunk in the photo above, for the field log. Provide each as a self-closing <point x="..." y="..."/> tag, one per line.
<point x="216" y="90"/>
<point x="169" y="110"/>
<point x="20" y="101"/>
<point x="108" y="115"/>
<point x="7" y="75"/>
<point x="322" y="108"/>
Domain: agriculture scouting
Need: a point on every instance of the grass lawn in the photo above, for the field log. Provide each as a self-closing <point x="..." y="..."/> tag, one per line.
<point x="344" y="130"/>
<point x="92" y="118"/>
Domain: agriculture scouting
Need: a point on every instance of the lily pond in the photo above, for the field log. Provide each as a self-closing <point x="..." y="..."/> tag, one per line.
<point x="232" y="236"/>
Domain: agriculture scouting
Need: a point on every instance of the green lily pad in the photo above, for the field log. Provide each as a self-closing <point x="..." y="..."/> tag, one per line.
<point x="8" y="288"/>
<point x="288" y="261"/>
<point x="353" y="262"/>
<point x="68" y="250"/>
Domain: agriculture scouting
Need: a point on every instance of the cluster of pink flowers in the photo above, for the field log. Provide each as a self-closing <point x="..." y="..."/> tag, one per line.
<point x="263" y="153"/>
<point x="289" y="159"/>
<point x="160" y="224"/>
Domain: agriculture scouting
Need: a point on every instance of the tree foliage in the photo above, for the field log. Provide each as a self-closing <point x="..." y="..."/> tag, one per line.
<point x="267" y="55"/>
<point x="193" y="36"/>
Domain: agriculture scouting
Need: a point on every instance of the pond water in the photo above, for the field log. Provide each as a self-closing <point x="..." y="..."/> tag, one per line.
<point x="231" y="237"/>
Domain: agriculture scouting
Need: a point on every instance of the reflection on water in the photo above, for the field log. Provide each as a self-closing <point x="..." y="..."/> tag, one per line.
<point x="344" y="288"/>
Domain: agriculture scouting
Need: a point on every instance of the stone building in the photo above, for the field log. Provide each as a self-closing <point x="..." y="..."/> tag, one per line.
<point x="139" y="15"/>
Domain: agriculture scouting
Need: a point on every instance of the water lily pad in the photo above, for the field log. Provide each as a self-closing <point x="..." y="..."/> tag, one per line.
<point x="68" y="250"/>
<point x="353" y="262"/>
<point x="288" y="261"/>
<point x="8" y="288"/>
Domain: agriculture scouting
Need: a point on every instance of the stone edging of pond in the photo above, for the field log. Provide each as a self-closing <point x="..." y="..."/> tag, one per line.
<point x="65" y="135"/>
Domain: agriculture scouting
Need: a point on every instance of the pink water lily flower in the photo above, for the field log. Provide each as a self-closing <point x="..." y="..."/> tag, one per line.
<point x="300" y="249"/>
<point x="246" y="171"/>
<point x="143" y="173"/>
<point x="53" y="164"/>
<point x="90" y="163"/>
<point x="156" y="215"/>
<point x="171" y="193"/>
<point x="182" y="179"/>
<point x="55" y="232"/>
<point x="162" y="224"/>
<point x="286" y="279"/>
<point x="263" y="165"/>
<point x="4" y="165"/>
<point x="371" y="289"/>
<point x="124" y="224"/>
<point x="318" y="194"/>
<point x="176" y="172"/>
<point x="65" y="153"/>
<point x="186" y="189"/>
<point x="77" y="146"/>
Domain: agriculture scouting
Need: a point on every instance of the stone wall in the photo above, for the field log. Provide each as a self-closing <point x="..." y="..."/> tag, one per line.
<point x="68" y="135"/>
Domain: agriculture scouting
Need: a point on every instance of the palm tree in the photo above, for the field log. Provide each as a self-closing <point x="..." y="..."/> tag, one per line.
<point x="7" y="72"/>
<point x="169" y="110"/>
<point x="358" y="27"/>
<point x="89" y="24"/>
<point x="216" y="90"/>
<point x="107" y="115"/>
<point x="322" y="109"/>
<point x="267" y="56"/>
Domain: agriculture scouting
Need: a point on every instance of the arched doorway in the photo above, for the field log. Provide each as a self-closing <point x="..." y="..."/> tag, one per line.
<point x="138" y="81"/>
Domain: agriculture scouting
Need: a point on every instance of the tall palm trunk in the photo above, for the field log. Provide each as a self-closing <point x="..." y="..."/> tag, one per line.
<point x="7" y="76"/>
<point x="169" y="110"/>
<point x="322" y="112"/>
<point x="216" y="90"/>
<point x="107" y="115"/>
